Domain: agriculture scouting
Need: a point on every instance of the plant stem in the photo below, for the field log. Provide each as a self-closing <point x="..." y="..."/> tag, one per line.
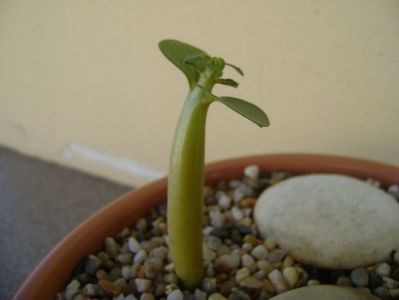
<point x="185" y="185"/>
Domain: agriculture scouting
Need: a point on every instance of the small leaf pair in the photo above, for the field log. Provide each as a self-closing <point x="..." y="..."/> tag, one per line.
<point x="193" y="61"/>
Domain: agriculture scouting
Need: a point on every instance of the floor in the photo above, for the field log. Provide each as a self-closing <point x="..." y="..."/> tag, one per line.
<point x="40" y="203"/>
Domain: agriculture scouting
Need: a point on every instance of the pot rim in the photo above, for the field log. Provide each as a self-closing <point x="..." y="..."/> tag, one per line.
<point x="47" y="278"/>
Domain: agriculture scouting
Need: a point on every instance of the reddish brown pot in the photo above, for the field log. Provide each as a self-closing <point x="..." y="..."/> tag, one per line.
<point x="51" y="275"/>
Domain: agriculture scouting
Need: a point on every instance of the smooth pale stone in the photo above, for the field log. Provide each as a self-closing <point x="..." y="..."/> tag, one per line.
<point x="325" y="292"/>
<point x="331" y="221"/>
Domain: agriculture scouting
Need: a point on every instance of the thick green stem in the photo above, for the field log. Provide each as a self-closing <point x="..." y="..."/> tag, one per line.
<point x="185" y="185"/>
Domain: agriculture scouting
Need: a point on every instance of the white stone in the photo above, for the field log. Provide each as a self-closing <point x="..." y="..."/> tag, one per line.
<point x="224" y="201"/>
<point x="142" y="285"/>
<point x="252" y="171"/>
<point x="383" y="269"/>
<point x="133" y="245"/>
<point x="242" y="273"/>
<point x="175" y="295"/>
<point x="331" y="221"/>
<point x="277" y="279"/>
<point x="325" y="292"/>
<point x="248" y="262"/>
<point x="264" y="265"/>
<point x="217" y="219"/>
<point x="140" y="257"/>
<point x="291" y="276"/>
<point x="260" y="252"/>
<point x="236" y="213"/>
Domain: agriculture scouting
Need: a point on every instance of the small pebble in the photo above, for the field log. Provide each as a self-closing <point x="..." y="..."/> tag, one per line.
<point x="147" y="296"/>
<point x="344" y="280"/>
<point x="115" y="273"/>
<point x="207" y="253"/>
<point x="288" y="261"/>
<point x="217" y="218"/>
<point x="210" y="272"/>
<point x="209" y="284"/>
<point x="238" y="294"/>
<point x="313" y="282"/>
<point x="90" y="290"/>
<point x="260" y="274"/>
<point x="175" y="295"/>
<point x="72" y="289"/>
<point x="260" y="252"/>
<point x="250" y="282"/>
<point x="382" y="292"/>
<point x="252" y="171"/>
<point x="238" y="194"/>
<point x="252" y="240"/>
<point x="248" y="262"/>
<point x="109" y="287"/>
<point x="247" y="221"/>
<point x="227" y="286"/>
<point x="213" y="242"/>
<point x="133" y="245"/>
<point x="141" y="224"/>
<point x="111" y="246"/>
<point x="170" y="278"/>
<point x="217" y="296"/>
<point x="360" y="277"/>
<point x="100" y="274"/>
<point x="224" y="201"/>
<point x="264" y="265"/>
<point x="124" y="258"/>
<point x="142" y="285"/>
<point x="383" y="269"/>
<point x="220" y="232"/>
<point x="169" y="267"/>
<point x="248" y="202"/>
<point x="236" y="213"/>
<point x="270" y="244"/>
<point x="242" y="273"/>
<point x="276" y="255"/>
<point x="277" y="279"/>
<point x="247" y="247"/>
<point x="92" y="264"/>
<point x="390" y="283"/>
<point x="140" y="257"/>
<point x="227" y="263"/>
<point x="199" y="294"/>
<point x="291" y="276"/>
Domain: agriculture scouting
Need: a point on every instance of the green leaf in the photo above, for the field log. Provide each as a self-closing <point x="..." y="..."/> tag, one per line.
<point x="239" y="71"/>
<point x="177" y="52"/>
<point x="227" y="81"/>
<point x="198" y="61"/>
<point x="246" y="109"/>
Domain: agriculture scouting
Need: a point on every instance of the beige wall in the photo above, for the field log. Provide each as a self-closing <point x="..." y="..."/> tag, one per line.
<point x="82" y="82"/>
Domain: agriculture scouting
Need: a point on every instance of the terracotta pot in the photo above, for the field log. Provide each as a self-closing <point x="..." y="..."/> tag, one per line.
<point x="51" y="275"/>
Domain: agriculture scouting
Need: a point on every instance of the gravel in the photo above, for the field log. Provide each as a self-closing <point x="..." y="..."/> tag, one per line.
<point x="239" y="264"/>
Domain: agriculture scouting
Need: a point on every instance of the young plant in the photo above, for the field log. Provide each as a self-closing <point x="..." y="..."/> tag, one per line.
<point x="186" y="170"/>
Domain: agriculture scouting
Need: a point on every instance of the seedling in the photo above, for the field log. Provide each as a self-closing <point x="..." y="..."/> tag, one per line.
<point x="186" y="170"/>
